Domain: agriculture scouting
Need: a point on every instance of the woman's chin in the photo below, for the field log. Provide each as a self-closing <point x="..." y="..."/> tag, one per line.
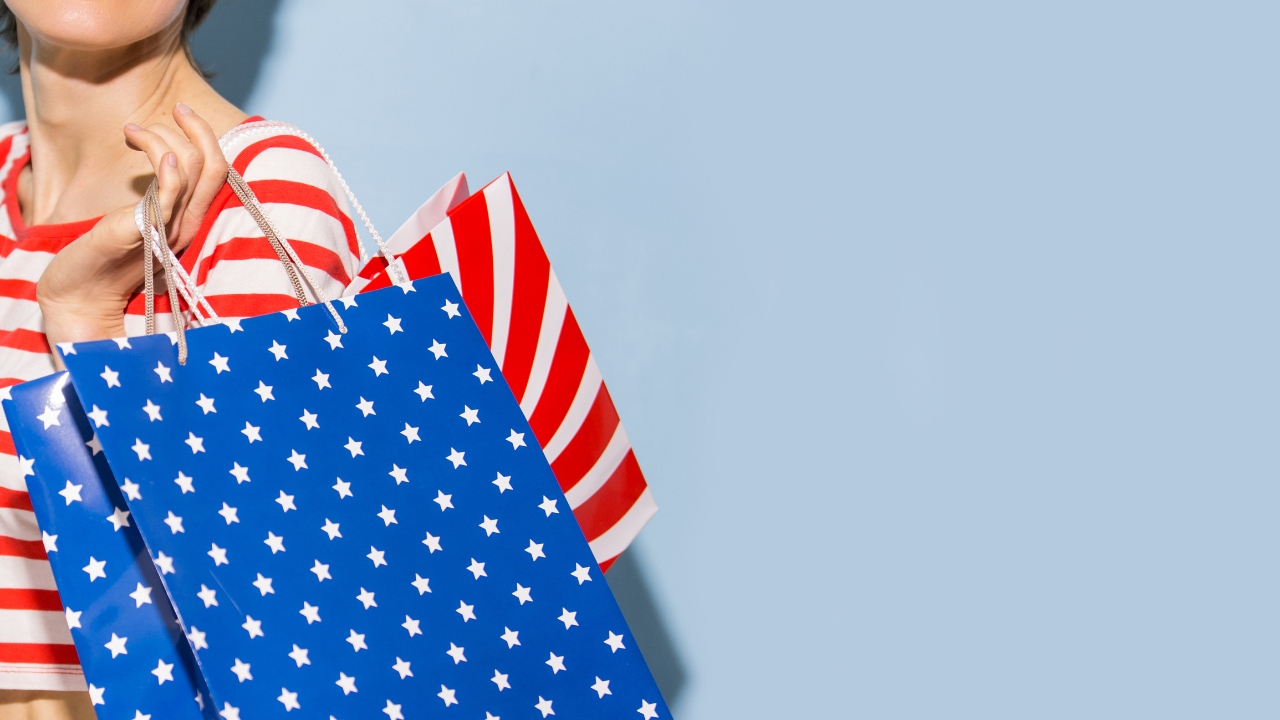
<point x="96" y="25"/>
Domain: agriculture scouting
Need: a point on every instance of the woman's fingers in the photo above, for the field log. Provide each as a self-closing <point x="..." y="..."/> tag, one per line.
<point x="190" y="163"/>
<point x="176" y="153"/>
<point x="190" y="156"/>
<point x="214" y="173"/>
<point x="149" y="142"/>
<point x="201" y="135"/>
<point x="191" y="168"/>
<point x="172" y="185"/>
<point x="164" y="162"/>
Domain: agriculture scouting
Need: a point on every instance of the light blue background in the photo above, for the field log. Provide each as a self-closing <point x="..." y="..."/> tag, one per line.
<point x="945" y="332"/>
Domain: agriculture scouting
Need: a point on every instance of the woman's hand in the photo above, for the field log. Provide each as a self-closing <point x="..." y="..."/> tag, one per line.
<point x="84" y="291"/>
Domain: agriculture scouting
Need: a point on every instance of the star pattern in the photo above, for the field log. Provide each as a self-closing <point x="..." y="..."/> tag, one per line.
<point x="468" y="612"/>
<point x="321" y="380"/>
<point x="134" y="669"/>
<point x="117" y="645"/>
<point x="95" y="569"/>
<point x="402" y="667"/>
<point x="500" y="680"/>
<point x="569" y="619"/>
<point x="414" y="627"/>
<point x="299" y="656"/>
<point x="163" y="672"/>
<point x="71" y="493"/>
<point x="141" y="595"/>
<point x="601" y="687"/>
<point x="535" y="550"/>
<point x="428" y="535"/>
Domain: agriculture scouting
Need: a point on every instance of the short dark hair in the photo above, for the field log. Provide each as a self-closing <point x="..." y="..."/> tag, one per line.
<point x="197" y="11"/>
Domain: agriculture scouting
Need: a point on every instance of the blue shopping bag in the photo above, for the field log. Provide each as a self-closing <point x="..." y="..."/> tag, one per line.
<point x="124" y="628"/>
<point x="361" y="524"/>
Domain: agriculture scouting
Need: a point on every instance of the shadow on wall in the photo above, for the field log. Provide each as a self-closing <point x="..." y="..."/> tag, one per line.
<point x="627" y="580"/>
<point x="11" y="86"/>
<point x="233" y="42"/>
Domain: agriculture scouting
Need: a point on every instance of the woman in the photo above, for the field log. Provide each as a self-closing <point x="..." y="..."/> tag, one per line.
<point x="114" y="99"/>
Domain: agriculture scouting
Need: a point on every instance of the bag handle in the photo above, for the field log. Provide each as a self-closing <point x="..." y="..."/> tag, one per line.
<point x="288" y="256"/>
<point x="150" y="221"/>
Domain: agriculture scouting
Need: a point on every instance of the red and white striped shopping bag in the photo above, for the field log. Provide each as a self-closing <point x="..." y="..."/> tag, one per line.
<point x="490" y="247"/>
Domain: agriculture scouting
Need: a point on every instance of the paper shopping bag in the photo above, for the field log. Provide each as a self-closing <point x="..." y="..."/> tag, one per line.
<point x="361" y="524"/>
<point x="124" y="628"/>
<point x="489" y="246"/>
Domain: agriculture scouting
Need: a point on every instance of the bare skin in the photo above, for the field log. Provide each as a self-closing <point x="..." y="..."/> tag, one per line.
<point x="45" y="705"/>
<point x="111" y="102"/>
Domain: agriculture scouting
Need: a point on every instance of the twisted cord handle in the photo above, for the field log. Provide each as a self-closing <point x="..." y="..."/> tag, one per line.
<point x="150" y="221"/>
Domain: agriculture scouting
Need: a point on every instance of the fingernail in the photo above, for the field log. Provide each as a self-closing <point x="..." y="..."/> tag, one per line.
<point x="132" y="128"/>
<point x="184" y="109"/>
<point x="171" y="159"/>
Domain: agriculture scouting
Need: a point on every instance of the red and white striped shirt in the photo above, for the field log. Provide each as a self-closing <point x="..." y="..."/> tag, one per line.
<point x="238" y="273"/>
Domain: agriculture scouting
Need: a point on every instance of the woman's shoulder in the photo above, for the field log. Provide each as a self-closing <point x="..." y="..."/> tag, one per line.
<point x="282" y="163"/>
<point x="272" y="150"/>
<point x="299" y="191"/>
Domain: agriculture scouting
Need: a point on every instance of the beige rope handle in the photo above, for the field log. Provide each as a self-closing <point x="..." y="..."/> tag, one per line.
<point x="284" y="250"/>
<point x="250" y="202"/>
<point x="154" y="220"/>
<point x="148" y="262"/>
<point x="201" y="310"/>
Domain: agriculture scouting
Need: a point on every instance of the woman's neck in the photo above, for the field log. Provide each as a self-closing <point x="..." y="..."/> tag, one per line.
<point x="77" y="104"/>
